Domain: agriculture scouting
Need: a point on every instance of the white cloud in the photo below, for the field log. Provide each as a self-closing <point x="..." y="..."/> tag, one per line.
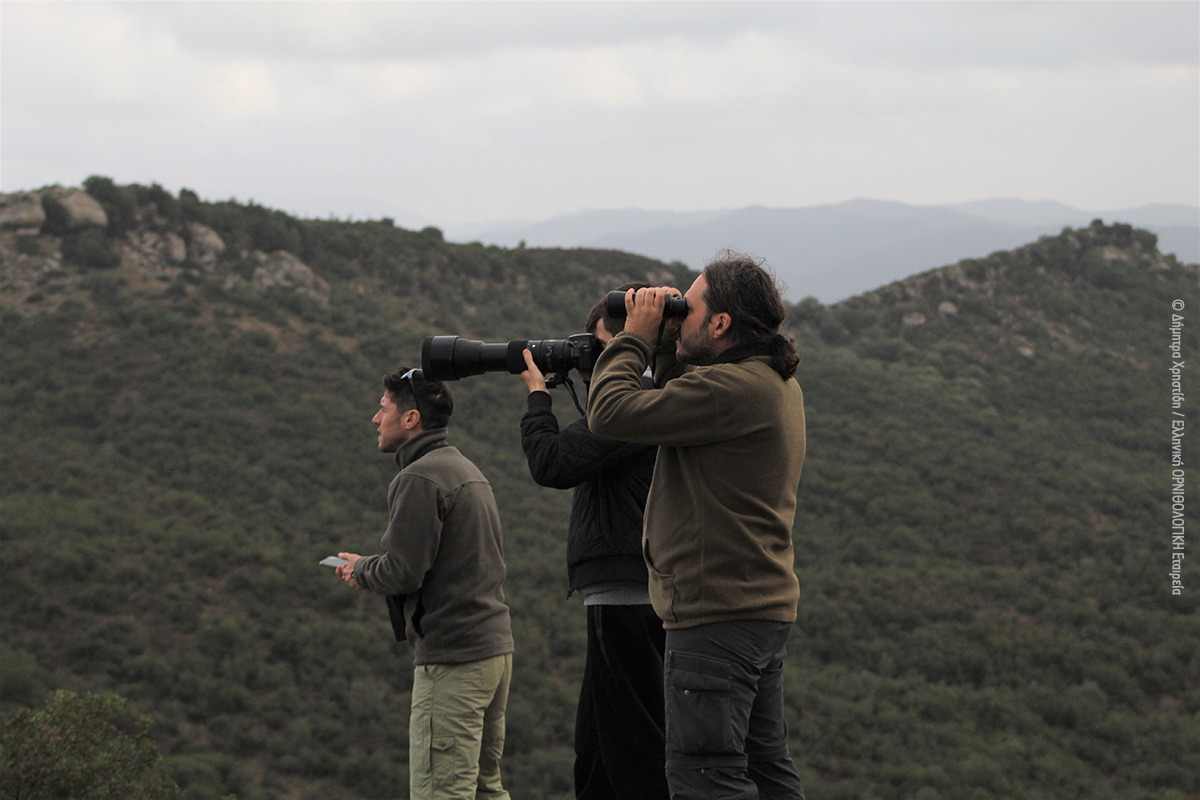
<point x="604" y="79"/>
<point x="398" y="80"/>
<point x="469" y="110"/>
<point x="239" y="90"/>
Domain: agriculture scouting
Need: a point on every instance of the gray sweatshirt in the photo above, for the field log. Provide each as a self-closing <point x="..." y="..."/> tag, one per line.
<point x="444" y="552"/>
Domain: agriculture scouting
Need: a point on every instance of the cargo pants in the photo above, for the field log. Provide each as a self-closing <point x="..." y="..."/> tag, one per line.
<point x="726" y="735"/>
<point x="456" y="731"/>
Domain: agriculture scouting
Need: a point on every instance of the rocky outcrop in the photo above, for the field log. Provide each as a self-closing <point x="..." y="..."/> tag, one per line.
<point x="174" y="248"/>
<point x="281" y="269"/>
<point x="83" y="210"/>
<point x="161" y="248"/>
<point x="205" y="246"/>
<point x="21" y="211"/>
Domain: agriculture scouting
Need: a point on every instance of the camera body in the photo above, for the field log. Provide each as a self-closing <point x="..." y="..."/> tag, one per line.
<point x="451" y="358"/>
<point x="676" y="306"/>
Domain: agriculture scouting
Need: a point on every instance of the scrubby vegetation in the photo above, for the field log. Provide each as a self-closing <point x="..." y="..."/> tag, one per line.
<point x="82" y="748"/>
<point x="982" y="537"/>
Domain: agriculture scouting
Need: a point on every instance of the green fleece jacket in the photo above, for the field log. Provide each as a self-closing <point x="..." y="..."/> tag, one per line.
<point x="718" y="525"/>
<point x="443" y="551"/>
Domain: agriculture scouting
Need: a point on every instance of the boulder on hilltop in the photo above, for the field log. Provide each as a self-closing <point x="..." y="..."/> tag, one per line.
<point x="21" y="211"/>
<point x="81" y="209"/>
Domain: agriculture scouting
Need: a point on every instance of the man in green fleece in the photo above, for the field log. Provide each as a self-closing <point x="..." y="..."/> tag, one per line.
<point x="729" y="422"/>
<point x="442" y="569"/>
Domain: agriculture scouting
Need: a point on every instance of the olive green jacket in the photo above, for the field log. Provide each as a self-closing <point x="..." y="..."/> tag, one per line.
<point x="718" y="526"/>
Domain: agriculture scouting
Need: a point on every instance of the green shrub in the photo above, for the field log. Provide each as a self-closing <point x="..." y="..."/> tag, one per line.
<point x="22" y="681"/>
<point x="118" y="201"/>
<point x="56" y="216"/>
<point x="29" y="245"/>
<point x="90" y="248"/>
<point x="164" y="204"/>
<point x="191" y="209"/>
<point x="832" y="330"/>
<point x="80" y="747"/>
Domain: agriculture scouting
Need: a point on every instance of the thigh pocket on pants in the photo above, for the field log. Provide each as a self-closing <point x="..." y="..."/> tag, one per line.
<point x="450" y="755"/>
<point x="698" y="704"/>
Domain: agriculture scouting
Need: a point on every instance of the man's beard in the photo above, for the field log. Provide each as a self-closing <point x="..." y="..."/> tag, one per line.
<point x="696" y="350"/>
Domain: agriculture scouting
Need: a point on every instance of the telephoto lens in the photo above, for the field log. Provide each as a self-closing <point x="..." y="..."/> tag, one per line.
<point x="676" y="306"/>
<point x="450" y="358"/>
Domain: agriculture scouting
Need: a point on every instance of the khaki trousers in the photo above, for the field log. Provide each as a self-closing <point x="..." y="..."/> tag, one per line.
<point x="456" y="731"/>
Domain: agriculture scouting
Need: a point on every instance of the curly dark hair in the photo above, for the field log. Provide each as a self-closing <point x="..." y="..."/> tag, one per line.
<point x="739" y="286"/>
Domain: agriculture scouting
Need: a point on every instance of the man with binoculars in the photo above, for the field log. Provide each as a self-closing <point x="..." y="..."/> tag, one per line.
<point x="728" y="417"/>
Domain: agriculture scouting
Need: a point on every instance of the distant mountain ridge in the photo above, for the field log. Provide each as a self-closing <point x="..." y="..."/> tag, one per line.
<point x="834" y="251"/>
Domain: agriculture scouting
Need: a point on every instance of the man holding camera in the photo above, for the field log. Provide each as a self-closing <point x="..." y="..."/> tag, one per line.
<point x="619" y="721"/>
<point x="442" y="569"/>
<point x="729" y="423"/>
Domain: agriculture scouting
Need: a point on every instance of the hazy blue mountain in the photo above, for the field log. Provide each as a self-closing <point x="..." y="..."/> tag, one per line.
<point x="1177" y="225"/>
<point x="1162" y="214"/>
<point x="834" y="251"/>
<point x="1182" y="240"/>
<point x="829" y="252"/>
<point x="577" y="228"/>
<point x="1012" y="211"/>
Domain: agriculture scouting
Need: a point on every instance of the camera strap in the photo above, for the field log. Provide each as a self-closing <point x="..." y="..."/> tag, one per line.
<point x="574" y="397"/>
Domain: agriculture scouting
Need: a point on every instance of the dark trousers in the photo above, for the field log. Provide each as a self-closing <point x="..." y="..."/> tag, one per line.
<point x="726" y="736"/>
<point x="619" y="724"/>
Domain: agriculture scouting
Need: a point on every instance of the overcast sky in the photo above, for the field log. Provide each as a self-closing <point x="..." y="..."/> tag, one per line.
<point x="459" y="112"/>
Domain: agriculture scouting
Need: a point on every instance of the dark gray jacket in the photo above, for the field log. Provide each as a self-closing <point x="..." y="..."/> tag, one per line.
<point x="443" y="552"/>
<point x="611" y="480"/>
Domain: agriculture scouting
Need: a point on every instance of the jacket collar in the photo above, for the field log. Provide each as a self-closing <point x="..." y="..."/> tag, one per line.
<point x="744" y="350"/>
<point x="419" y="445"/>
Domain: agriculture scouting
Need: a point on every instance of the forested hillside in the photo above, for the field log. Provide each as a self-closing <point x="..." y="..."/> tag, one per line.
<point x="985" y="534"/>
<point x="186" y="390"/>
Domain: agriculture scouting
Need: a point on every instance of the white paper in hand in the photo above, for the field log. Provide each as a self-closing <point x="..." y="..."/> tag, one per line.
<point x="334" y="561"/>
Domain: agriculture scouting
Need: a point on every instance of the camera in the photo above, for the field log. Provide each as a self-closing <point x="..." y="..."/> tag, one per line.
<point x="676" y="306"/>
<point x="450" y="358"/>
